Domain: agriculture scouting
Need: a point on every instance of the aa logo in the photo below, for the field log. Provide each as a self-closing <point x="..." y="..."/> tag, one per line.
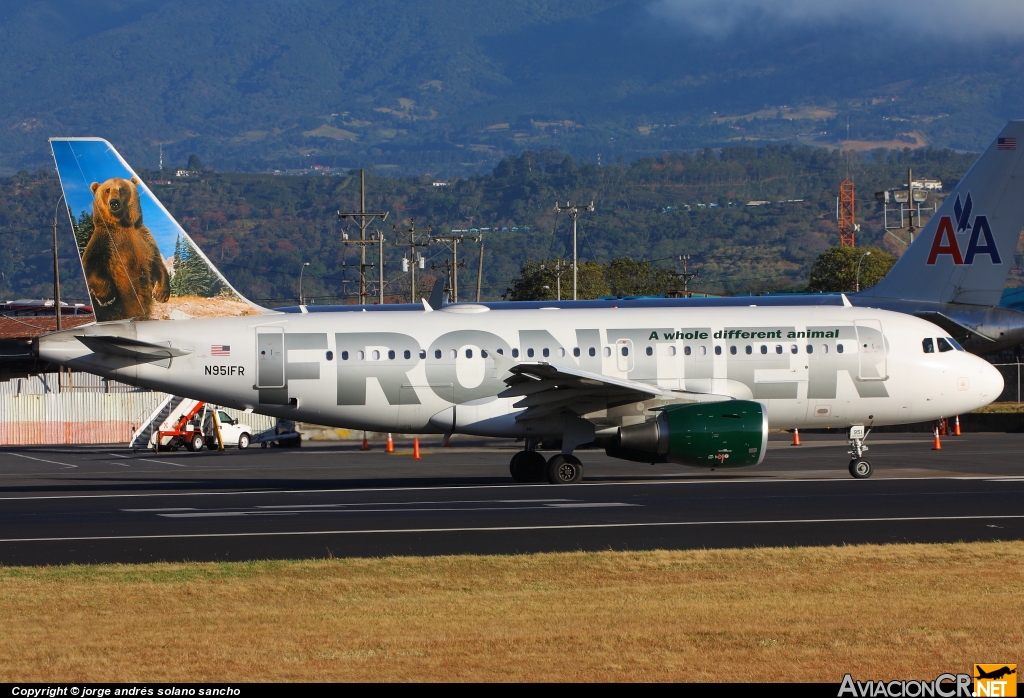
<point x="980" y="242"/>
<point x="995" y="680"/>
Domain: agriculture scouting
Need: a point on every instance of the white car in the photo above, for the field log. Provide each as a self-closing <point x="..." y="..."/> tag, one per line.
<point x="231" y="431"/>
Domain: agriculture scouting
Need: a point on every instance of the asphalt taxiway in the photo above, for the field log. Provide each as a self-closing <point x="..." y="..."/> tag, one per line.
<point x="91" y="504"/>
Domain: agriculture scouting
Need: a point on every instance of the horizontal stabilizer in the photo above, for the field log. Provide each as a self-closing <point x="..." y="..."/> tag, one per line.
<point x="130" y="348"/>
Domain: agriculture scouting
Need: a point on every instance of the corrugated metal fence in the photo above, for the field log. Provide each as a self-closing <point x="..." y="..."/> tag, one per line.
<point x="33" y="413"/>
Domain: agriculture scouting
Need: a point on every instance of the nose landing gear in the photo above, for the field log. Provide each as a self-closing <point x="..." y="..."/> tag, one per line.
<point x="860" y="467"/>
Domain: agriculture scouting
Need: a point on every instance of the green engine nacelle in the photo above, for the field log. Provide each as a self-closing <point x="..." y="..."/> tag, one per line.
<point x="730" y="434"/>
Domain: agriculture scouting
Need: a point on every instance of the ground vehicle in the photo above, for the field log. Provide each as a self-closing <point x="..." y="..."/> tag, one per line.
<point x="232" y="432"/>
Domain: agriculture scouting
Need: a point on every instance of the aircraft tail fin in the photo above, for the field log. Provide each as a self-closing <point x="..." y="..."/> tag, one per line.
<point x="964" y="253"/>
<point x="139" y="263"/>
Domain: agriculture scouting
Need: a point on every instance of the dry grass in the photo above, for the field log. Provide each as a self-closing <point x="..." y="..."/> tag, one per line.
<point x="1001" y="408"/>
<point x="907" y="611"/>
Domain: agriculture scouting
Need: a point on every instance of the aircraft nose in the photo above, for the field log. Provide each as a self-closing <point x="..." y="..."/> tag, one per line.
<point x="991" y="381"/>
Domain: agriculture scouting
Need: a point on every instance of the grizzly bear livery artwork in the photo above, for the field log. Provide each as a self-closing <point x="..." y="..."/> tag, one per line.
<point x="139" y="264"/>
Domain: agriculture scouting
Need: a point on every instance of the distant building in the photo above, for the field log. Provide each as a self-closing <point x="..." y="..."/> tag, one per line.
<point x="440" y="184"/>
<point x="929" y="184"/>
<point x="185" y="173"/>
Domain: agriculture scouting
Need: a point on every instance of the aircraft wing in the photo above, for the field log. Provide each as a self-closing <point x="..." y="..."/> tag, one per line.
<point x="129" y="348"/>
<point x="955" y="329"/>
<point x="548" y="390"/>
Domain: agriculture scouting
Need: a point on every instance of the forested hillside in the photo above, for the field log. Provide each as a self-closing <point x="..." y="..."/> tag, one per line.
<point x="454" y="87"/>
<point x="259" y="229"/>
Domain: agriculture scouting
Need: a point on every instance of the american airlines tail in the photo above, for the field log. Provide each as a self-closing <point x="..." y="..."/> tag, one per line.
<point x="139" y="263"/>
<point x="965" y="251"/>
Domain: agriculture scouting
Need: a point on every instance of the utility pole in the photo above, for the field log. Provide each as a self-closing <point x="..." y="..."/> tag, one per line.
<point x="480" y="270"/>
<point x="454" y="269"/>
<point x="686" y="277"/>
<point x="557" y="270"/>
<point x="450" y="270"/>
<point x="380" y="266"/>
<point x="363" y="218"/>
<point x="574" y="211"/>
<point x="412" y="245"/>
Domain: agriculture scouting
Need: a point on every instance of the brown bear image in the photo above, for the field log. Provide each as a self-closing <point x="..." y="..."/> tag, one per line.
<point x="123" y="266"/>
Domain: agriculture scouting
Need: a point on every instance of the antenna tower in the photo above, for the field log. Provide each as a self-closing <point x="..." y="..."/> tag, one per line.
<point x="847" y="217"/>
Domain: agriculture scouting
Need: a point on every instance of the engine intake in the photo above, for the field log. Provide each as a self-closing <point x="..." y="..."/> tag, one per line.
<point x="730" y="434"/>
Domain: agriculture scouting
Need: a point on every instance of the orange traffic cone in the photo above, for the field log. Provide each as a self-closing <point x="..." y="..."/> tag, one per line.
<point x="938" y="443"/>
<point x="796" y="437"/>
<point x="390" y="448"/>
<point x="956" y="426"/>
<point x="448" y="441"/>
<point x="416" y="448"/>
<point x="366" y="443"/>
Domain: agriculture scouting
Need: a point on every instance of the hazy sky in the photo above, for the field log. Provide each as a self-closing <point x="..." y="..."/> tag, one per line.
<point x="963" y="20"/>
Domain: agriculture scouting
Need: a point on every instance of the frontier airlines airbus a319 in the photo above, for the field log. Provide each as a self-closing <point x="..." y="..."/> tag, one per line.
<point x="695" y="385"/>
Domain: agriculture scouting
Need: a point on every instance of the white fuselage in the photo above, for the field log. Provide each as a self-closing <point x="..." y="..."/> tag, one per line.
<point x="426" y="372"/>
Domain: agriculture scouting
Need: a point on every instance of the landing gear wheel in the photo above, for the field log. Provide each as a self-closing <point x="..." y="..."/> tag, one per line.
<point x="514" y="467"/>
<point x="564" y="470"/>
<point x="860" y="468"/>
<point x="527" y="466"/>
<point x="197" y="443"/>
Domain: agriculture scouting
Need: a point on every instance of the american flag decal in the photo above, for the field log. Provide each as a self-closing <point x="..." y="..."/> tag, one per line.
<point x="220" y="350"/>
<point x="1006" y="144"/>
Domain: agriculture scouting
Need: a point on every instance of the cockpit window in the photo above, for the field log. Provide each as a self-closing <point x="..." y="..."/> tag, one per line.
<point x="928" y="344"/>
<point x="944" y="345"/>
<point x="956" y="344"/>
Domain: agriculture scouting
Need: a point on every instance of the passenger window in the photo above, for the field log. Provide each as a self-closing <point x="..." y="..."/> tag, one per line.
<point x="732" y="350"/>
<point x="671" y="351"/>
<point x="515" y="353"/>
<point x="576" y="351"/>
<point x="423" y="353"/>
<point x="944" y="345"/>
<point x="376" y="355"/>
<point x="650" y="351"/>
<point x="529" y="352"/>
<point x="686" y="350"/>
<point x="546" y="352"/>
<point x="778" y="348"/>
<point x="625" y="351"/>
<point x="561" y="352"/>
<point x="593" y="352"/>
<point x="360" y="355"/>
<point x="764" y="348"/>
<point x="824" y="348"/>
<point x="810" y="348"/>
<point x="749" y="349"/>
<point x="718" y="350"/>
<point x="391" y="354"/>
<point x="928" y="344"/>
<point x="839" y="348"/>
<point x="330" y="356"/>
<point x="483" y="353"/>
<point x="703" y="350"/>
<point x="453" y="353"/>
<point x="344" y="356"/>
<point x="501" y="351"/>
<point x="407" y="354"/>
<point x="469" y="353"/>
<point x="437" y="353"/>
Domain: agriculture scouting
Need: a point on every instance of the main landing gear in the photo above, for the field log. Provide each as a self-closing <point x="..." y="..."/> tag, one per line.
<point x="529" y="466"/>
<point x="860" y="467"/>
